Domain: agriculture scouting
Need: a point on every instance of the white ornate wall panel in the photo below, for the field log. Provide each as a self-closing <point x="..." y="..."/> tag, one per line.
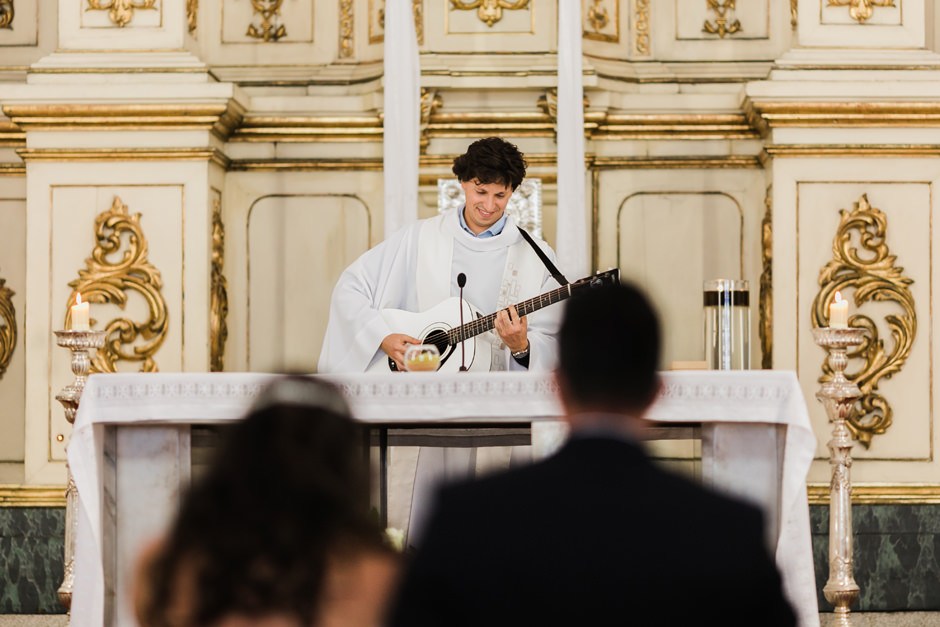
<point x="160" y="25"/>
<point x="63" y="202"/>
<point x="808" y="194"/>
<point x="843" y="24"/>
<point x="693" y="30"/>
<point x="670" y="230"/>
<point x="74" y="209"/>
<point x="28" y="31"/>
<point x="529" y="29"/>
<point x="305" y="40"/>
<point x="297" y="248"/>
<point x="671" y="242"/>
<point x="294" y="22"/>
<point x="288" y="238"/>
<point x="12" y="381"/>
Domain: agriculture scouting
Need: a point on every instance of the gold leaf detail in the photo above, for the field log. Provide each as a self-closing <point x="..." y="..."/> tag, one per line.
<point x="218" y="328"/>
<point x="766" y="323"/>
<point x="106" y="281"/>
<point x="6" y="14"/>
<point x="345" y="29"/>
<point x="873" y="276"/>
<point x="597" y="16"/>
<point x="7" y="327"/>
<point x="192" y="10"/>
<point x="642" y="27"/>
<point x="861" y="10"/>
<point x="489" y="11"/>
<point x="269" y="30"/>
<point x="120" y="12"/>
<point x="722" y="25"/>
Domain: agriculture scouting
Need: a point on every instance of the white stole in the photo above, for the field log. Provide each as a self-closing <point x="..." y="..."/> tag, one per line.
<point x="522" y="275"/>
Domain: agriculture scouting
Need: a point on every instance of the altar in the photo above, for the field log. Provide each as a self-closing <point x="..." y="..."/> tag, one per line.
<point x="130" y="452"/>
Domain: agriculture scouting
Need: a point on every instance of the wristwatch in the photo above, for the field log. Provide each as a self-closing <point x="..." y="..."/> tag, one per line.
<point x="521" y="354"/>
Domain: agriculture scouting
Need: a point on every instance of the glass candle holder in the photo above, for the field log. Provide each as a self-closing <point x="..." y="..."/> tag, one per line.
<point x="727" y="324"/>
<point x="422" y="358"/>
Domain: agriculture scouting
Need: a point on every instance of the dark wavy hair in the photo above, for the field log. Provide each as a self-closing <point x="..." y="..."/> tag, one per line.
<point x="609" y="348"/>
<point x="491" y="160"/>
<point x="288" y="489"/>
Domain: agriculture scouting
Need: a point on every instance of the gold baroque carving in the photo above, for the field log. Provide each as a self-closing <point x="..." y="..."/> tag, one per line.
<point x="599" y="18"/>
<point x="270" y="12"/>
<point x="431" y="101"/>
<point x="107" y="281"/>
<point x="377" y="35"/>
<point x="218" y="328"/>
<point x="722" y="25"/>
<point x="642" y="27"/>
<point x="7" y="327"/>
<point x="766" y="322"/>
<point x="6" y="14"/>
<point x="548" y="103"/>
<point x="121" y="12"/>
<point x="418" y="10"/>
<point x="873" y="276"/>
<point x="489" y="11"/>
<point x="192" y="8"/>
<point x="597" y="15"/>
<point x="861" y="10"/>
<point x="345" y="29"/>
<point x="794" y="12"/>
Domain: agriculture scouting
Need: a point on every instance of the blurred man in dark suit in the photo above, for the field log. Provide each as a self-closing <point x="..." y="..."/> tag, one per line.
<point x="595" y="534"/>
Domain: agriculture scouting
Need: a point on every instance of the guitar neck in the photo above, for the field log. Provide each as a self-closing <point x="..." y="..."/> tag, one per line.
<point x="486" y="323"/>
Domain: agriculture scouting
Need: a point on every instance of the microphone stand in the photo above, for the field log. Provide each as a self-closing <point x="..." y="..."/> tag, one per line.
<point x="461" y="281"/>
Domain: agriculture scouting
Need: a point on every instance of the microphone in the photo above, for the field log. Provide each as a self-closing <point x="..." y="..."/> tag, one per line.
<point x="461" y="281"/>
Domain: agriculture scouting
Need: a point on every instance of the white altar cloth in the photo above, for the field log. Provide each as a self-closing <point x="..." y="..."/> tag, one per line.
<point x="769" y="397"/>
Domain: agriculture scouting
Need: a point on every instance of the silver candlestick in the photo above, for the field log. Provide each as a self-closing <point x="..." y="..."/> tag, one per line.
<point x="78" y="342"/>
<point x="838" y="396"/>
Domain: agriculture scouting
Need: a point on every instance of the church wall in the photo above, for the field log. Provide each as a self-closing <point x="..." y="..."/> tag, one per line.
<point x="690" y="159"/>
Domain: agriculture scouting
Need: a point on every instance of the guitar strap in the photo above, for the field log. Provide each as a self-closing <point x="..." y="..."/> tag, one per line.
<point x="552" y="269"/>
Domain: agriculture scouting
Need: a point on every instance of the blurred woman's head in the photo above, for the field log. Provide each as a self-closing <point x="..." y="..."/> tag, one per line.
<point x="287" y="491"/>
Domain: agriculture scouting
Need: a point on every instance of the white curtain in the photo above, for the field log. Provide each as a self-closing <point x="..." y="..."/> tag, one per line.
<point x="571" y="238"/>
<point x="401" y="126"/>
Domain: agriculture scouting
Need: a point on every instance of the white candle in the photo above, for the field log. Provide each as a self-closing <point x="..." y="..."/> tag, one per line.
<point x="79" y="315"/>
<point x="839" y="313"/>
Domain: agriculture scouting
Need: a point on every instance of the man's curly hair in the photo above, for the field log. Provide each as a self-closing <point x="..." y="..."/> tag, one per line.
<point x="491" y="160"/>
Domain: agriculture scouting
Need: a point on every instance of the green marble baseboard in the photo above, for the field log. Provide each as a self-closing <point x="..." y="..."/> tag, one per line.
<point x="31" y="559"/>
<point x="896" y="556"/>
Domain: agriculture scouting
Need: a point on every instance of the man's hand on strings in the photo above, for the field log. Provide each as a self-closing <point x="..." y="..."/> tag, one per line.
<point x="395" y="345"/>
<point x="512" y="329"/>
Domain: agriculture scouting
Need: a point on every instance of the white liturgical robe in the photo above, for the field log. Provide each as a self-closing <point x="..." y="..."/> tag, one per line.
<point x="416" y="268"/>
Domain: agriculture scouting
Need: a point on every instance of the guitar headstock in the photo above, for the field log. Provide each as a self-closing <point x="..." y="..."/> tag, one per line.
<point x="598" y="279"/>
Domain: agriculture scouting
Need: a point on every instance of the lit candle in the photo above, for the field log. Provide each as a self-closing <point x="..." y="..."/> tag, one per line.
<point x="79" y="314"/>
<point x="839" y="313"/>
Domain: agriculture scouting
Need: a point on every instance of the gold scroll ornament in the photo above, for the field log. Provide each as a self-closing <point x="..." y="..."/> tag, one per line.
<point x="192" y="11"/>
<point x="765" y="325"/>
<point x="218" y="329"/>
<point x="7" y="327"/>
<point x="106" y="281"/>
<point x="270" y="12"/>
<point x="121" y="12"/>
<point x="861" y="10"/>
<point x="489" y="11"/>
<point x="6" y="14"/>
<point x="873" y="276"/>
<point x="723" y="25"/>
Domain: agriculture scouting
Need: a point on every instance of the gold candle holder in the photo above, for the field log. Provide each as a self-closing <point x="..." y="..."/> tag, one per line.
<point x="78" y="342"/>
<point x="838" y="396"/>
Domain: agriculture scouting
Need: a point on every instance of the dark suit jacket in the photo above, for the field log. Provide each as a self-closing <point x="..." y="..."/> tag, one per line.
<point x="594" y="535"/>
